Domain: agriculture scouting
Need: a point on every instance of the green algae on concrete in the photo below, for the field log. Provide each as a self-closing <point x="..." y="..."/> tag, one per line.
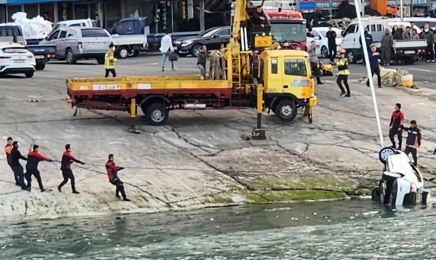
<point x="293" y="195"/>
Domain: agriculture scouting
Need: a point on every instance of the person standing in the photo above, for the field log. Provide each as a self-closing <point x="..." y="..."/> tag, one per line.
<point x="343" y="73"/>
<point x="387" y="42"/>
<point x="16" y="166"/>
<point x="407" y="35"/>
<point x="429" y="37"/>
<point x="8" y="149"/>
<point x="368" y="40"/>
<point x="109" y="61"/>
<point x="413" y="141"/>
<point x="67" y="173"/>
<point x="259" y="18"/>
<point x="201" y="61"/>
<point x="374" y="56"/>
<point x="331" y="39"/>
<point x="33" y="159"/>
<point x="397" y="120"/>
<point x="166" y="48"/>
<point x="112" y="173"/>
<point x="314" y="61"/>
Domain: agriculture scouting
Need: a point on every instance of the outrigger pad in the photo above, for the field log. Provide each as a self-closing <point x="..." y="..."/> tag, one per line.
<point x="258" y="134"/>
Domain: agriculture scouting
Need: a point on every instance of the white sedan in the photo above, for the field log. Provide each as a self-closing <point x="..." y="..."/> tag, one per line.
<point x="319" y="36"/>
<point x="15" y="59"/>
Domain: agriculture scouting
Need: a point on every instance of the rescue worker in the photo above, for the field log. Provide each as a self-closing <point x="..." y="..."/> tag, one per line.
<point x="429" y="37"/>
<point x="8" y="149"/>
<point x="342" y="64"/>
<point x="112" y="173"/>
<point x="331" y="39"/>
<point x="109" y="61"/>
<point x="67" y="173"/>
<point x="387" y="42"/>
<point x="397" y="120"/>
<point x="259" y="17"/>
<point x="314" y="61"/>
<point x="413" y="141"/>
<point x="368" y="40"/>
<point x="33" y="159"/>
<point x="14" y="160"/>
<point x="374" y="56"/>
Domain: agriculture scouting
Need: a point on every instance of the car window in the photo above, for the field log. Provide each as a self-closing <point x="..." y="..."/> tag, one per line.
<point x="76" y="24"/>
<point x="295" y="67"/>
<point x="125" y="27"/>
<point x="72" y="32"/>
<point x="54" y="35"/>
<point x="315" y="34"/>
<point x="63" y="34"/>
<point x="224" y="33"/>
<point x="15" y="50"/>
<point x="209" y="33"/>
<point x="350" y="29"/>
<point x="94" y="33"/>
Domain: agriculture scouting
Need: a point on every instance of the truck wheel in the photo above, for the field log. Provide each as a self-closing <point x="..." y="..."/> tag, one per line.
<point x="123" y="52"/>
<point x="351" y="57"/>
<point x="29" y="74"/>
<point x="156" y="114"/>
<point x="100" y="61"/>
<point x="286" y="110"/>
<point x="40" y="66"/>
<point x="385" y="153"/>
<point x="70" y="57"/>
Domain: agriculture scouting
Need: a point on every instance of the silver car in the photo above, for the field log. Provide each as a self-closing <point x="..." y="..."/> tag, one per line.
<point x="76" y="43"/>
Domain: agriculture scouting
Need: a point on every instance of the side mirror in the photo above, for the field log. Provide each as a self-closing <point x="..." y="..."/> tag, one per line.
<point x="46" y="38"/>
<point x="216" y="36"/>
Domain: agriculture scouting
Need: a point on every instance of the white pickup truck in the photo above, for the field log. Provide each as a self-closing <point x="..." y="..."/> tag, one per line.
<point x="129" y="35"/>
<point x="403" y="50"/>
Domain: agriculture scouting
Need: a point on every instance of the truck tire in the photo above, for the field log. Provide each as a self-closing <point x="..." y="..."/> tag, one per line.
<point x="69" y="57"/>
<point x="351" y="57"/>
<point x="40" y="66"/>
<point x="156" y="114"/>
<point x="29" y="74"/>
<point x="123" y="52"/>
<point x="286" y="110"/>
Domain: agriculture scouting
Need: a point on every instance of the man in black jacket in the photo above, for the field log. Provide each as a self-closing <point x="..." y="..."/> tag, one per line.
<point x="259" y="17"/>
<point x="14" y="162"/>
<point x="201" y="61"/>
<point x="413" y="141"/>
<point x="331" y="39"/>
<point x="368" y="40"/>
<point x="374" y="56"/>
<point x="67" y="173"/>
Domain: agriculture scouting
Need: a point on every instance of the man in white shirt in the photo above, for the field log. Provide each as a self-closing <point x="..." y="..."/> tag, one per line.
<point x="166" y="48"/>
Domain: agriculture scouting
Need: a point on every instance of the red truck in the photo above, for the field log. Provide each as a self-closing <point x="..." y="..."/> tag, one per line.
<point x="288" y="27"/>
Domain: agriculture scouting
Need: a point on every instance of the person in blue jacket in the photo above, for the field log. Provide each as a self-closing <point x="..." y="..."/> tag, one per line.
<point x="374" y="56"/>
<point x="368" y="39"/>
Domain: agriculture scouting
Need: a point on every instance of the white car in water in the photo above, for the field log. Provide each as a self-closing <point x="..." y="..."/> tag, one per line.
<point x="16" y="59"/>
<point x="318" y="35"/>
<point x="401" y="183"/>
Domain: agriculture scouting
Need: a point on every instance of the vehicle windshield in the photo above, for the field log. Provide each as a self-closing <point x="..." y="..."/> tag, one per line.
<point x="94" y="33"/>
<point x="15" y="50"/>
<point x="289" y="32"/>
<point x="208" y="33"/>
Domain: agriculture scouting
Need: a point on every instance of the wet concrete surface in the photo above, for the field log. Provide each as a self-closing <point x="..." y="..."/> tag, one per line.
<point x="199" y="158"/>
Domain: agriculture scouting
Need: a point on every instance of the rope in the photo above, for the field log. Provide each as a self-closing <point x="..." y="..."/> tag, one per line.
<point x="217" y="66"/>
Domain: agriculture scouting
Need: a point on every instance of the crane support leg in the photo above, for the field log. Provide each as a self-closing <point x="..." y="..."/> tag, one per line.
<point x="132" y="112"/>
<point x="258" y="132"/>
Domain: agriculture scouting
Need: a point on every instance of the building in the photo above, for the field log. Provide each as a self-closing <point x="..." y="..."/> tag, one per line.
<point x="175" y="15"/>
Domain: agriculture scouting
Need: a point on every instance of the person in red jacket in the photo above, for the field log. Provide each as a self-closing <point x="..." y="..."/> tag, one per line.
<point x="112" y="173"/>
<point x="67" y="173"/>
<point x="33" y="159"/>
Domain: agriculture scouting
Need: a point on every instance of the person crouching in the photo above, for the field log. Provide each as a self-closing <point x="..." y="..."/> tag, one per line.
<point x="342" y="64"/>
<point x="109" y="61"/>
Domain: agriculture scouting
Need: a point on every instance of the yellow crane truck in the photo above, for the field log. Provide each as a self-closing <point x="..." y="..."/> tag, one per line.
<point x="283" y="84"/>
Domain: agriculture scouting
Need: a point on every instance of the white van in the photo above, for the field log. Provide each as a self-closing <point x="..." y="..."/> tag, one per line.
<point x="404" y="50"/>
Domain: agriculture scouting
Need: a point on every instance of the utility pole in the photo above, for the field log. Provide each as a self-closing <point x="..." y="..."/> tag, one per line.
<point x="401" y="10"/>
<point x="202" y="26"/>
<point x="363" y="7"/>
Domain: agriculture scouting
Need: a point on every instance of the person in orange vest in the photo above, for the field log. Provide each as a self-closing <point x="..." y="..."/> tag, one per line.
<point x="109" y="61"/>
<point x="8" y="149"/>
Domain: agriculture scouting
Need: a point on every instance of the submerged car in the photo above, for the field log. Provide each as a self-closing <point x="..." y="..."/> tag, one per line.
<point x="401" y="184"/>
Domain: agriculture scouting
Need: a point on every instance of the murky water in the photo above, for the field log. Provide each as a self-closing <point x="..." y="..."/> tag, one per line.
<point x="330" y="230"/>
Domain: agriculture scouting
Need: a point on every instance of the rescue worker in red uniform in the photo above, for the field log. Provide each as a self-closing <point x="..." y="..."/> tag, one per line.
<point x="112" y="173"/>
<point x="397" y="120"/>
<point x="33" y="159"/>
<point x="67" y="173"/>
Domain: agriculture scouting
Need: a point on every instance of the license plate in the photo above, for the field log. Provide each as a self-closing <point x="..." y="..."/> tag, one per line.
<point x="39" y="57"/>
<point x="409" y="52"/>
<point x="19" y="61"/>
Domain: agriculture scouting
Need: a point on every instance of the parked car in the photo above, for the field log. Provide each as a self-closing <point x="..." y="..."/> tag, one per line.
<point x="401" y="183"/>
<point x="75" y="43"/>
<point x="212" y="38"/>
<point x="319" y="36"/>
<point x="15" y="59"/>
